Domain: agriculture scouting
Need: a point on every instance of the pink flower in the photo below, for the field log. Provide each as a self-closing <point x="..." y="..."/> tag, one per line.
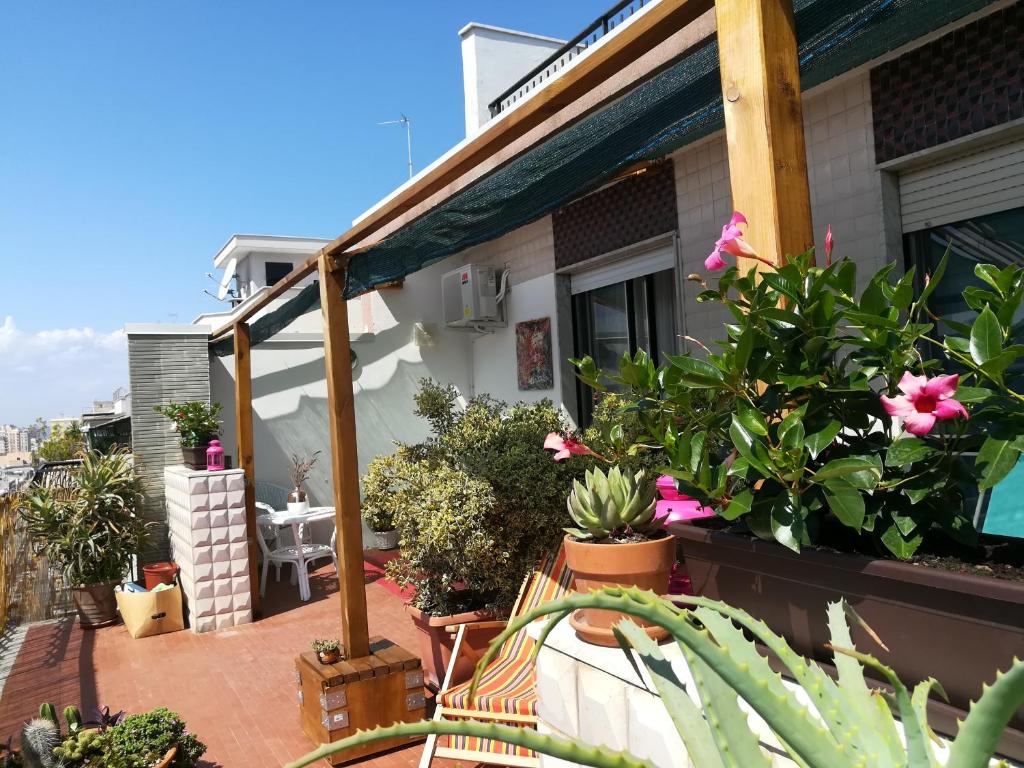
<point x="924" y="401"/>
<point x="732" y="242"/>
<point x="828" y="245"/>
<point x="565" y="447"/>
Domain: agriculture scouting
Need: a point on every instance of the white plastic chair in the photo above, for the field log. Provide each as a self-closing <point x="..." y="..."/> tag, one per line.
<point x="298" y="556"/>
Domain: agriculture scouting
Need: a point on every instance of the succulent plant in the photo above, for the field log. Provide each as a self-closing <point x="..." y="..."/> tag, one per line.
<point x="324" y="644"/>
<point x="39" y="737"/>
<point x="830" y="723"/>
<point x="612" y="504"/>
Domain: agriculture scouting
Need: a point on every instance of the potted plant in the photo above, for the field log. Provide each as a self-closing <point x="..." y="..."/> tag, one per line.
<point x="475" y="505"/>
<point x="196" y="423"/>
<point x="302" y="467"/>
<point x="617" y="540"/>
<point x="328" y="651"/>
<point x="380" y="491"/>
<point x="92" y="531"/>
<point x="836" y="453"/>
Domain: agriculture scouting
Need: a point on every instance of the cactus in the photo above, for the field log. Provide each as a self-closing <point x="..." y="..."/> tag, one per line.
<point x="48" y="712"/>
<point x="39" y="737"/>
<point x="614" y="503"/>
<point x="840" y="723"/>
<point x="73" y="718"/>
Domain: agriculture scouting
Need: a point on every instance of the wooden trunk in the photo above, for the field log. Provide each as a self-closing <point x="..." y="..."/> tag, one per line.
<point x="336" y="700"/>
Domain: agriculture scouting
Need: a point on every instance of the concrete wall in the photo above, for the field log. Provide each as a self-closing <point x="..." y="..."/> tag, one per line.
<point x="165" y="364"/>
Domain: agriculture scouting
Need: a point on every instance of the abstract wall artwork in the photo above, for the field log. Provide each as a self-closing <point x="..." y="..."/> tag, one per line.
<point x="534" y="363"/>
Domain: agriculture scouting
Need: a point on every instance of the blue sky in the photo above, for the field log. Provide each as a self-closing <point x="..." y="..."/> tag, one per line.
<point x="138" y="136"/>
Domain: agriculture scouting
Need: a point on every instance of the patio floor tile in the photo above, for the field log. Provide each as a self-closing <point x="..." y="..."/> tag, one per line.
<point x="235" y="687"/>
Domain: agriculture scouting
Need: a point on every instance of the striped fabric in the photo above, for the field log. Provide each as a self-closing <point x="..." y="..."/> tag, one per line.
<point x="508" y="684"/>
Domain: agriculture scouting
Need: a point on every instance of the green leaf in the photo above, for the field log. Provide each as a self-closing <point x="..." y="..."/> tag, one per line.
<point x="846" y="503"/>
<point x="972" y="394"/>
<point x="904" y="291"/>
<point x="907" y="450"/>
<point x="846" y="467"/>
<point x="751" y="418"/>
<point x="902" y="547"/>
<point x="744" y="346"/>
<point x="822" y="439"/>
<point x="738" y="505"/>
<point x="696" y="371"/>
<point x="744" y="442"/>
<point x="990" y="274"/>
<point x="995" y="460"/>
<point x="986" y="337"/>
<point x="980" y="732"/>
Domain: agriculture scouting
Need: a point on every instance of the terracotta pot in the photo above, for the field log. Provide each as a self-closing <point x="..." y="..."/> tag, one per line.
<point x="643" y="564"/>
<point x="194" y="457"/>
<point x="956" y="627"/>
<point x="437" y="644"/>
<point x="328" y="657"/>
<point x="385" y="539"/>
<point x="156" y="574"/>
<point x="167" y="759"/>
<point x="96" y="604"/>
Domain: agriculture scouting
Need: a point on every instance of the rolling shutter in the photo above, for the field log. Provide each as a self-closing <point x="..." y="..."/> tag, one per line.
<point x="987" y="180"/>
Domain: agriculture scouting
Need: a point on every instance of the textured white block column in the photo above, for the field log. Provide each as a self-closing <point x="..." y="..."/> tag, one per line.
<point x="652" y="734"/>
<point x="602" y="708"/>
<point x="556" y="691"/>
<point x="207" y="535"/>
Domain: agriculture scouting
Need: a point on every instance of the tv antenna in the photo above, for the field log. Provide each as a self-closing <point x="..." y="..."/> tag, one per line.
<point x="403" y="120"/>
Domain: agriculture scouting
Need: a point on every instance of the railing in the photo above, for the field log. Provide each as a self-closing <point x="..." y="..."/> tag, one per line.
<point x="561" y="58"/>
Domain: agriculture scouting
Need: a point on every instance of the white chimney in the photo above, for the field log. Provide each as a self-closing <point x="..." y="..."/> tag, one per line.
<point x="492" y="60"/>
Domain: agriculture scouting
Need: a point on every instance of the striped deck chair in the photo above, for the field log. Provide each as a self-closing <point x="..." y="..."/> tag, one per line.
<point x="506" y="693"/>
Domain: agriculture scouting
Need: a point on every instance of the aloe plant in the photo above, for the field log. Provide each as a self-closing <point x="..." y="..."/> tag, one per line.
<point x="841" y="723"/>
<point x="617" y="502"/>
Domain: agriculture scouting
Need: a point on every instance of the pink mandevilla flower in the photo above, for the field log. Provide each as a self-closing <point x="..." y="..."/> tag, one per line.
<point x="564" y="447"/>
<point x="924" y="401"/>
<point x="828" y="244"/>
<point x="731" y="242"/>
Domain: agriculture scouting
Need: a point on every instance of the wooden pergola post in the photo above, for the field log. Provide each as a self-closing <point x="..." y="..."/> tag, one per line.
<point x="764" y="125"/>
<point x="341" y="416"/>
<point x="246" y="456"/>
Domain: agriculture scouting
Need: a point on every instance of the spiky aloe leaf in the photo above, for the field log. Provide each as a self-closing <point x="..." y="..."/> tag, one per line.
<point x="876" y="724"/>
<point x="690" y="724"/>
<point x="814" y="745"/>
<point x="988" y="716"/>
<point x="598" y="757"/>
<point x="737" y="745"/>
<point x="919" y="699"/>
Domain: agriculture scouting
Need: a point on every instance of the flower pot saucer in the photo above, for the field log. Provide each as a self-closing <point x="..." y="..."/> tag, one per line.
<point x="604" y="636"/>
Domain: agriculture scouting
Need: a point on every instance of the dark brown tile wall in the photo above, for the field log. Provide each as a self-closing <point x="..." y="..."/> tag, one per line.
<point x="632" y="210"/>
<point x="962" y="83"/>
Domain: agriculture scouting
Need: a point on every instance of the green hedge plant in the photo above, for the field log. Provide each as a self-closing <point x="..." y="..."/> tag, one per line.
<point x="820" y="722"/>
<point x="819" y="405"/>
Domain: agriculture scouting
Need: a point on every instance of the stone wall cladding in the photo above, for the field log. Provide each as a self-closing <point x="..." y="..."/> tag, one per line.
<point x="632" y="210"/>
<point x="846" y="192"/>
<point x="964" y="82"/>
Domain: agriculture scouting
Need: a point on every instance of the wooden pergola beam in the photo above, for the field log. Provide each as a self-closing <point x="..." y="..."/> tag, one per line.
<point x="246" y="455"/>
<point x="764" y="125"/>
<point x="341" y="418"/>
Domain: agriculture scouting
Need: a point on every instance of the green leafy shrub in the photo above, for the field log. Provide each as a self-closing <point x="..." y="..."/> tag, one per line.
<point x="476" y="504"/>
<point x="92" y="530"/>
<point x="136" y="741"/>
<point x="195" y="421"/>
<point x="63" y="444"/>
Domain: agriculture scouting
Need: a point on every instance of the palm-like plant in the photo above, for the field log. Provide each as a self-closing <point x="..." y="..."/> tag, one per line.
<point x="91" y="532"/>
<point x="840" y="723"/>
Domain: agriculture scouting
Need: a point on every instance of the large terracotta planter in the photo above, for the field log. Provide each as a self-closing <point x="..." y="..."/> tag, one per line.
<point x="437" y="643"/>
<point x="96" y="604"/>
<point x="957" y="628"/>
<point x="644" y="564"/>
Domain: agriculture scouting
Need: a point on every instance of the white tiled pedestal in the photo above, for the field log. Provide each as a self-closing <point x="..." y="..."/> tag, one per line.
<point x="592" y="694"/>
<point x="206" y="518"/>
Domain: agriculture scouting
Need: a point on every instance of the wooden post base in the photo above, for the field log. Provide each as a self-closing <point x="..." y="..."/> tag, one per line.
<point x="336" y="700"/>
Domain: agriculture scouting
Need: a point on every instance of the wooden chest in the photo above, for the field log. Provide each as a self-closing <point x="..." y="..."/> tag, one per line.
<point x="336" y="700"/>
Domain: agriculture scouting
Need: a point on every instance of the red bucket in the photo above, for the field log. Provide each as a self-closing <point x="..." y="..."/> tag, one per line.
<point x="159" y="573"/>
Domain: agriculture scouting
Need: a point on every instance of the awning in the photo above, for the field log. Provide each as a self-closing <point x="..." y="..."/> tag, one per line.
<point x="672" y="108"/>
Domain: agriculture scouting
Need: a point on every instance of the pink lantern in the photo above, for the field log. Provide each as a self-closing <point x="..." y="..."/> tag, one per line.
<point x="214" y="457"/>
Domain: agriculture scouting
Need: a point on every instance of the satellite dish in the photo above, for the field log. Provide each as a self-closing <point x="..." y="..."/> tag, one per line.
<point x="225" y="282"/>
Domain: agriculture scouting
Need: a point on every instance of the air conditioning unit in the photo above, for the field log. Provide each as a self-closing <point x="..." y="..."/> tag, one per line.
<point x="471" y="297"/>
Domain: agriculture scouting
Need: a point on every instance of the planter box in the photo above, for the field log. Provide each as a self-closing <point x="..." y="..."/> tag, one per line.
<point x="957" y="628"/>
<point x="437" y="643"/>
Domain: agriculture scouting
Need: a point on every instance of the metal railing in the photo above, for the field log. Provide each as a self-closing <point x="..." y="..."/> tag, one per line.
<point x="561" y="58"/>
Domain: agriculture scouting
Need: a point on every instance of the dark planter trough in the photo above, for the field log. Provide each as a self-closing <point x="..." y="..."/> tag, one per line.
<point x="957" y="628"/>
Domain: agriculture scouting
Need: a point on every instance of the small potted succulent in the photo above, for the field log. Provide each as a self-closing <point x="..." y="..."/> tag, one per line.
<point x="618" y="540"/>
<point x="196" y="424"/>
<point x="328" y="650"/>
<point x="302" y="467"/>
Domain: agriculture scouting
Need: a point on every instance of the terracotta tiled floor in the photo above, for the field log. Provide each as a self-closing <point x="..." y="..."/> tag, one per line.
<point x="235" y="688"/>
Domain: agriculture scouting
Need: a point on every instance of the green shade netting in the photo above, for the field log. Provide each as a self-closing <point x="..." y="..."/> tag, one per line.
<point x="676" y="106"/>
